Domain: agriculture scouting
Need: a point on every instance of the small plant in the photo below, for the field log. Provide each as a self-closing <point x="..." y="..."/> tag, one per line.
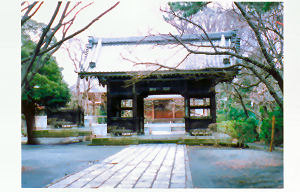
<point x="102" y="120"/>
<point x="213" y="127"/>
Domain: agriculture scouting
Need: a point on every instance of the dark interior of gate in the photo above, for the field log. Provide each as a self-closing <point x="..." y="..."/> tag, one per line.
<point x="125" y="99"/>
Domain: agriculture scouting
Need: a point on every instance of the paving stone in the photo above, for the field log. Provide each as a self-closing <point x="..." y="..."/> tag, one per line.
<point x="177" y="185"/>
<point x="178" y="177"/>
<point x="66" y="181"/>
<point x="180" y="173"/>
<point x="110" y="183"/>
<point x="163" y="178"/>
<point x="151" y="172"/>
<point x="129" y="182"/>
<point x="138" y="166"/>
<point x="79" y="183"/>
<point x="160" y="184"/>
<point x="146" y="184"/>
<point x="125" y="186"/>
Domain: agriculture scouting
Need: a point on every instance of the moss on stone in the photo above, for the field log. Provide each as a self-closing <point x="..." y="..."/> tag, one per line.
<point x="114" y="141"/>
<point x="198" y="141"/>
<point x="145" y="141"/>
<point x="135" y="141"/>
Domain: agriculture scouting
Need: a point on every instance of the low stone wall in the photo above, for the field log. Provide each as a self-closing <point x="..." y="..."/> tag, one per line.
<point x="40" y="122"/>
<point x="187" y="140"/>
<point x="90" y="120"/>
<point x="61" y="133"/>
<point x="99" y="129"/>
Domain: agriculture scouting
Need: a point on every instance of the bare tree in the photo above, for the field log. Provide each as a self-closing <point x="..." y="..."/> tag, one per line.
<point x="261" y="49"/>
<point x="63" y="17"/>
<point x="78" y="53"/>
<point x="44" y="44"/>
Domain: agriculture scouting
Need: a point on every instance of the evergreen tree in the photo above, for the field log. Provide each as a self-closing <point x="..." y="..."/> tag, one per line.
<point x="46" y="89"/>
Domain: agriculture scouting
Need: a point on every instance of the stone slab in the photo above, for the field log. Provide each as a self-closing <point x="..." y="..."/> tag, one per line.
<point x="137" y="166"/>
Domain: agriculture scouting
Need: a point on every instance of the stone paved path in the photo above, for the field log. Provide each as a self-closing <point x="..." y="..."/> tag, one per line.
<point x="137" y="166"/>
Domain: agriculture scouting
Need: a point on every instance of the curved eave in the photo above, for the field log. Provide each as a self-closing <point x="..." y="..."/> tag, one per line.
<point x="219" y="74"/>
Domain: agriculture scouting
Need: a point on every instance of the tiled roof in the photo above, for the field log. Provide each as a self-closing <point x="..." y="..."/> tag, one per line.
<point x="142" y="53"/>
<point x="229" y="73"/>
<point x="167" y="39"/>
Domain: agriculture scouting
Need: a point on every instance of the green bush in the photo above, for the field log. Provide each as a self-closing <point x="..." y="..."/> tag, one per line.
<point x="103" y="114"/>
<point x="246" y="130"/>
<point x="227" y="127"/>
<point x="221" y="117"/>
<point x="242" y="130"/>
<point x="102" y="120"/>
<point x="266" y="127"/>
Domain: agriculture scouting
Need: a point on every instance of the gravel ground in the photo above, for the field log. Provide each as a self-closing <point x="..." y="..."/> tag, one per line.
<point x="42" y="164"/>
<point x="210" y="167"/>
<point x="235" y="168"/>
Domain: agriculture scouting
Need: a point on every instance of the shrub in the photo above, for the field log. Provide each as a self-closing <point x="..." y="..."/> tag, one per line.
<point x="243" y="130"/>
<point x="227" y="127"/>
<point x="246" y="130"/>
<point x="61" y="133"/>
<point x="221" y="117"/>
<point x="213" y="127"/>
<point x="102" y="120"/>
<point x="266" y="128"/>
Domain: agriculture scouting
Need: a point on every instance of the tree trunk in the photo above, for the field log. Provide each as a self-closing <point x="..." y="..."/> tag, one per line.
<point x="28" y="110"/>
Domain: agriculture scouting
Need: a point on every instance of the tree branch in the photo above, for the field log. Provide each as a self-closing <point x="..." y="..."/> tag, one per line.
<point x="39" y="44"/>
<point x="74" y="34"/>
<point x="257" y="34"/>
<point x="241" y="100"/>
<point x="26" y="16"/>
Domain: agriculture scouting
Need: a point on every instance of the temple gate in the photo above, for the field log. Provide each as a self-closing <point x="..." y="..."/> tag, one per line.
<point x="125" y="96"/>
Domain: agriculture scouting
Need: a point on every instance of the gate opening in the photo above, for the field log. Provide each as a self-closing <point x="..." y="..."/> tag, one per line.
<point x="164" y="114"/>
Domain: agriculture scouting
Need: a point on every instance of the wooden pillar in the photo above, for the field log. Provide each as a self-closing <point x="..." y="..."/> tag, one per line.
<point x="173" y="109"/>
<point x="212" y="98"/>
<point x="108" y="106"/>
<point x="134" y="109"/>
<point x="186" y="107"/>
<point x="153" y="110"/>
<point x="187" y="112"/>
<point x="138" y="110"/>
